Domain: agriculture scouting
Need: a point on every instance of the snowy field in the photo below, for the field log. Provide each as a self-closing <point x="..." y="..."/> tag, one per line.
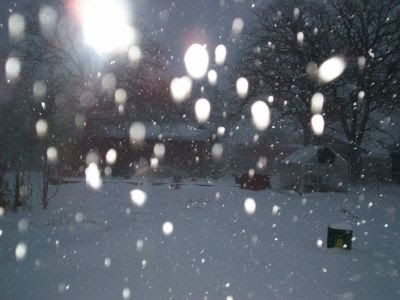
<point x="99" y="245"/>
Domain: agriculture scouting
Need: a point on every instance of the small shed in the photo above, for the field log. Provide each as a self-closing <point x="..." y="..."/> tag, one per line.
<point x="315" y="169"/>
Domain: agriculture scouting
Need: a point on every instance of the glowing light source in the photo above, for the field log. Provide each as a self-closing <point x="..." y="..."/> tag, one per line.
<point x="105" y="25"/>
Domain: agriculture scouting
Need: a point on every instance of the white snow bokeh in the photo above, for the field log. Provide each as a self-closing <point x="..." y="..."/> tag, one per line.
<point x="220" y="54"/>
<point x="16" y="26"/>
<point x="20" y="251"/>
<point x="138" y="197"/>
<point x="111" y="156"/>
<point x="317" y="103"/>
<point x="317" y="124"/>
<point x="181" y="88"/>
<point x="93" y="176"/>
<point x="250" y="206"/>
<point x="331" y="69"/>
<point x="260" y="115"/>
<point x="137" y="133"/>
<point x="167" y="228"/>
<point x="52" y="154"/>
<point x="202" y="110"/>
<point x="242" y="87"/>
<point x="196" y="61"/>
<point x="12" y="68"/>
<point x="41" y="128"/>
<point x="212" y="77"/>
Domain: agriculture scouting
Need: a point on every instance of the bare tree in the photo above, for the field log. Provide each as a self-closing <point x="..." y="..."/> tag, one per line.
<point x="293" y="37"/>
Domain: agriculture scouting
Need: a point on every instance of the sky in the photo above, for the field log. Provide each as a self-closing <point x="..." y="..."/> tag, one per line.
<point x="177" y="23"/>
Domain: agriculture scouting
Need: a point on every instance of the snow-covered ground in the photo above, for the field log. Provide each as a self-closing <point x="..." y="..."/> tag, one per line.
<point x="99" y="245"/>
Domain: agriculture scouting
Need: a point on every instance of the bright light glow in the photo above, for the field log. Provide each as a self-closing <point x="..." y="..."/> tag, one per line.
<point x="137" y="132"/>
<point x="237" y="26"/>
<point x="181" y="88"/>
<point x="105" y="25"/>
<point x="242" y="87"/>
<point x="260" y="115"/>
<point x="13" y="68"/>
<point x="168" y="228"/>
<point x="331" y="69"/>
<point x="41" y="128"/>
<point x="196" y="61"/>
<point x="317" y="103"/>
<point x="212" y="77"/>
<point x="250" y="206"/>
<point x="202" y="109"/>
<point x="93" y="178"/>
<point x="21" y="251"/>
<point x="16" y="26"/>
<point x="111" y="156"/>
<point x="317" y="124"/>
<point x="319" y="243"/>
<point x="216" y="151"/>
<point x="52" y="154"/>
<point x="220" y="54"/>
<point x="270" y="99"/>
<point x="138" y="197"/>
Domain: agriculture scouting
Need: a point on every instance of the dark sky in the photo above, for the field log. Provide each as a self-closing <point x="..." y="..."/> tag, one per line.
<point x="177" y="23"/>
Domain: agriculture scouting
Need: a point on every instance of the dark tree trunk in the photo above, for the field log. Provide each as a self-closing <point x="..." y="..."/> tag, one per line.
<point x="355" y="165"/>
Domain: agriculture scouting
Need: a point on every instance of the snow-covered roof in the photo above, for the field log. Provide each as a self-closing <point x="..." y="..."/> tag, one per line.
<point x="307" y="153"/>
<point x="167" y="132"/>
<point x="181" y="132"/>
